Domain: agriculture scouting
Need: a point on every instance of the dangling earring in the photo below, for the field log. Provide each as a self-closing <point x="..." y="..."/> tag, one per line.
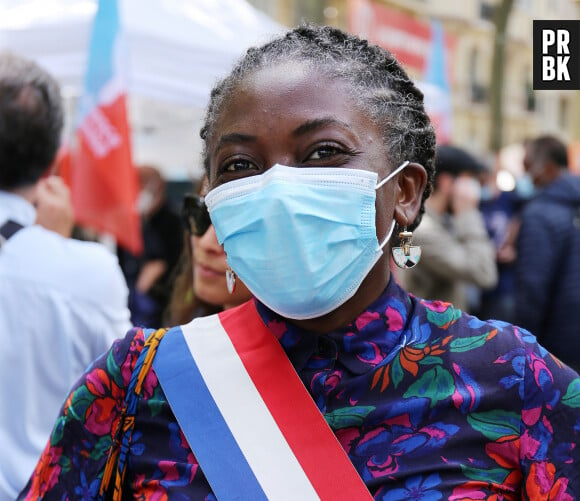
<point x="230" y="280"/>
<point x="406" y="255"/>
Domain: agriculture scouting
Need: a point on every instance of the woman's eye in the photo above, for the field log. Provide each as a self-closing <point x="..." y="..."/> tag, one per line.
<point x="325" y="152"/>
<point x="237" y="165"/>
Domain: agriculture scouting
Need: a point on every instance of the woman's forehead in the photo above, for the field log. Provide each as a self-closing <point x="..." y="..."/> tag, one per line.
<point x="282" y="73"/>
<point x="288" y="93"/>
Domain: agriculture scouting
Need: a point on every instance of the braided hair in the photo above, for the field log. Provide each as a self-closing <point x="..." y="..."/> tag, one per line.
<point x="378" y="83"/>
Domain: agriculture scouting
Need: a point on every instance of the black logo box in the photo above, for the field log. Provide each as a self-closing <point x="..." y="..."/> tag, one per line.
<point x="573" y="63"/>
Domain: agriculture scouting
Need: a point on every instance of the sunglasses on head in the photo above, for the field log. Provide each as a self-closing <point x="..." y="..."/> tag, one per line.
<point x="194" y="215"/>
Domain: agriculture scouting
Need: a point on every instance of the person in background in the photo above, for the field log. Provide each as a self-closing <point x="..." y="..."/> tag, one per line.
<point x="200" y="287"/>
<point x="548" y="246"/>
<point x="456" y="249"/>
<point x="63" y="301"/>
<point x="500" y="210"/>
<point x="333" y="383"/>
<point x="149" y="274"/>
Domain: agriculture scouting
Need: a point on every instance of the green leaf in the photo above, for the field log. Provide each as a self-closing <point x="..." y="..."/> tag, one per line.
<point x="469" y="343"/>
<point x="348" y="417"/>
<point x="430" y="360"/>
<point x="155" y="402"/>
<point x="492" y="476"/>
<point x="101" y="448"/>
<point x="495" y="424"/>
<point x="81" y="400"/>
<point x="436" y="384"/>
<point x="65" y="464"/>
<point x="113" y="370"/>
<point x="397" y="371"/>
<point x="58" y="430"/>
<point x="572" y="396"/>
<point x="443" y="318"/>
<point x="155" y="406"/>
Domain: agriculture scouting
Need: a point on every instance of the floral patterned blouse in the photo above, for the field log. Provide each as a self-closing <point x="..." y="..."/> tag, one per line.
<point x="429" y="403"/>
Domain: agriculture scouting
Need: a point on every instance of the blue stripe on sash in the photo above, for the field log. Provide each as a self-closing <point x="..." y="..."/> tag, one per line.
<point x="214" y="446"/>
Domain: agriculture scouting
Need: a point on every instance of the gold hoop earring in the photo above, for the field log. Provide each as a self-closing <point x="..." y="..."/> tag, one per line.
<point x="406" y="256"/>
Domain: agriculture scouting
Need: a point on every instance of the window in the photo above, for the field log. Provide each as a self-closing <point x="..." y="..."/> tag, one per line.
<point x="563" y="113"/>
<point x="309" y="10"/>
<point x="528" y="90"/>
<point x="486" y="11"/>
<point x="478" y="92"/>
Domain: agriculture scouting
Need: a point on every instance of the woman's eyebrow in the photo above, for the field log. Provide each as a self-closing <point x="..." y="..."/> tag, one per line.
<point x="235" y="138"/>
<point x="318" y="123"/>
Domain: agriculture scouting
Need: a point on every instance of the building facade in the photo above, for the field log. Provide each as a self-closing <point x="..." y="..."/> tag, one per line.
<point x="469" y="25"/>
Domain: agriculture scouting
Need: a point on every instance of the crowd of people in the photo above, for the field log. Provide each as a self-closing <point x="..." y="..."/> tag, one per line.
<point x="507" y="255"/>
<point x="336" y="313"/>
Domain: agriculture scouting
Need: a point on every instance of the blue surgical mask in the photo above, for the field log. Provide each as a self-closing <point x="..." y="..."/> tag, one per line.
<point x="486" y="193"/>
<point x="301" y="239"/>
<point x="525" y="186"/>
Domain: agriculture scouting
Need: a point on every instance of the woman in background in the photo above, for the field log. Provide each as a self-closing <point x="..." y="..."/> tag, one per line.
<point x="200" y="286"/>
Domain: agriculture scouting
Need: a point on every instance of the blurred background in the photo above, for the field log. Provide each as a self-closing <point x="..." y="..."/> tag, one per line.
<point x="473" y="60"/>
<point x="484" y="101"/>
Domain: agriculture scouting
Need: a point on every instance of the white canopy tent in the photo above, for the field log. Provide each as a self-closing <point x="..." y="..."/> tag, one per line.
<point x="177" y="50"/>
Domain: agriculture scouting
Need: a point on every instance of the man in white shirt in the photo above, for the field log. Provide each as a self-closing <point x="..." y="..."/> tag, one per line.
<point x="62" y="301"/>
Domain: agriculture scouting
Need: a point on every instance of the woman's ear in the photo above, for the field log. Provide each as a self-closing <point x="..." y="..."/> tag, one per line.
<point x="411" y="183"/>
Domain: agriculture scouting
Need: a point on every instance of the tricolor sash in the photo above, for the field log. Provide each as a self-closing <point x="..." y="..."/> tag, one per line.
<point x="252" y="425"/>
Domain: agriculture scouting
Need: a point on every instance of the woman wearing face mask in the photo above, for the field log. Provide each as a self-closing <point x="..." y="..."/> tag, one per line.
<point x="334" y="383"/>
<point x="200" y="286"/>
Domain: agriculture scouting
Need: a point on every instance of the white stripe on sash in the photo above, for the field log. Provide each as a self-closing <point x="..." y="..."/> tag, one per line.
<point x="257" y="434"/>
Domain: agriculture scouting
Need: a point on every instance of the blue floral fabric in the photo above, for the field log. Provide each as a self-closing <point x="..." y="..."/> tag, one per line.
<point x="428" y="402"/>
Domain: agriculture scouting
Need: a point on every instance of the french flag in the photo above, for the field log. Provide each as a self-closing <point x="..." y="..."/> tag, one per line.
<point x="104" y="182"/>
<point x="249" y="420"/>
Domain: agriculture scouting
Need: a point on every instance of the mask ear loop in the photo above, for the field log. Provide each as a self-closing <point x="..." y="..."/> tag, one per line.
<point x="393" y="174"/>
<point x="388" y="237"/>
<point x="388" y="178"/>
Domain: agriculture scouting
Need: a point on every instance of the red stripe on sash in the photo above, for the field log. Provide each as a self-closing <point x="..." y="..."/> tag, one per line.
<point x="317" y="449"/>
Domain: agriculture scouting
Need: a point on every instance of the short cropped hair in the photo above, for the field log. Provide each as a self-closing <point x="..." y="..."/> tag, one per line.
<point x="456" y="161"/>
<point x="31" y="121"/>
<point x="549" y="148"/>
<point x="377" y="82"/>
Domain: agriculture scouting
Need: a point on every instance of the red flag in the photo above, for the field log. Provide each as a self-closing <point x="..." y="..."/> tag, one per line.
<point x="104" y="182"/>
<point x="62" y="164"/>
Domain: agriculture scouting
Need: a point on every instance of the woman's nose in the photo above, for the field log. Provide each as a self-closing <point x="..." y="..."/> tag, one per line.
<point x="209" y="241"/>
